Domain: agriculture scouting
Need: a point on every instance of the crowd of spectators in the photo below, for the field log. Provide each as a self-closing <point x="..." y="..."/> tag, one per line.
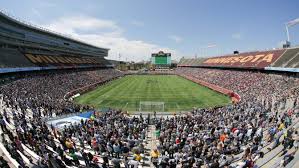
<point x="104" y="140"/>
<point x="46" y="90"/>
<point x="211" y="137"/>
<point x="42" y="93"/>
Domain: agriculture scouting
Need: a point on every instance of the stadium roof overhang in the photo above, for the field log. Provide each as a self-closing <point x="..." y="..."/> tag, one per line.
<point x="45" y="31"/>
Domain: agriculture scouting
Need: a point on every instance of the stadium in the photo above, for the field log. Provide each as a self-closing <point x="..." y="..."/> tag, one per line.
<point x="64" y="104"/>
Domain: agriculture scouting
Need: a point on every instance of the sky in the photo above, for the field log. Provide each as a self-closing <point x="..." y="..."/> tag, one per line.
<point x="133" y="29"/>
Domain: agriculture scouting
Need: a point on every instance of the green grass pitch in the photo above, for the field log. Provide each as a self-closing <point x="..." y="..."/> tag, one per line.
<point x="177" y="93"/>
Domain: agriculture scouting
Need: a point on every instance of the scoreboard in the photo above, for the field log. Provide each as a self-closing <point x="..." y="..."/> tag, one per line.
<point x="161" y="58"/>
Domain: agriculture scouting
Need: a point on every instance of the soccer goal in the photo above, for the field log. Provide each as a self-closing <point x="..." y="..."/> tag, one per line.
<point x="151" y="106"/>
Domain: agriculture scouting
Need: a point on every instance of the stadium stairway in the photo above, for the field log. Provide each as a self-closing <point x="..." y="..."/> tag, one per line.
<point x="152" y="142"/>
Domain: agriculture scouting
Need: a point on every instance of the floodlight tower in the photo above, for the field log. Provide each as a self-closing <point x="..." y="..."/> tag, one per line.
<point x="288" y="35"/>
<point x="288" y="25"/>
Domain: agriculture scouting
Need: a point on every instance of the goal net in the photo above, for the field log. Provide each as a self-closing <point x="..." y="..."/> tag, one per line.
<point x="151" y="106"/>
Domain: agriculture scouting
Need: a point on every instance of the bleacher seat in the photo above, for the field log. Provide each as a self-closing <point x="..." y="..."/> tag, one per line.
<point x="287" y="59"/>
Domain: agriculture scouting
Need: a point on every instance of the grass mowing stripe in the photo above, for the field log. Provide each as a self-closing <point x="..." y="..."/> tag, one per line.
<point x="176" y="92"/>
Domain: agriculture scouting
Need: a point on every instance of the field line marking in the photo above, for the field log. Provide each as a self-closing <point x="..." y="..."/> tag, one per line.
<point x="132" y="89"/>
<point x="100" y="101"/>
<point x="177" y="105"/>
<point x="125" y="105"/>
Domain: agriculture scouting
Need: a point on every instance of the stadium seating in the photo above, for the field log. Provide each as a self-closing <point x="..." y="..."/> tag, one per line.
<point x="182" y="62"/>
<point x="289" y="59"/>
<point x="282" y="58"/>
<point x="254" y="89"/>
<point x="260" y="129"/>
<point x="11" y="58"/>
<point x="47" y="91"/>
<point x="256" y="60"/>
<point x="47" y="87"/>
<point x="276" y="55"/>
<point x="190" y="62"/>
<point x="53" y="60"/>
<point x="24" y="47"/>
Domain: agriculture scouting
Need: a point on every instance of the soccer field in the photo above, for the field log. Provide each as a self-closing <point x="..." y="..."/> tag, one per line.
<point x="177" y="93"/>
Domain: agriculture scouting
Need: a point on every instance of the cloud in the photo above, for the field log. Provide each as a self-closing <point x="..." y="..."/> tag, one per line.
<point x="237" y="36"/>
<point x="209" y="46"/>
<point x="175" y="38"/>
<point x="108" y="34"/>
<point x="137" y="23"/>
<point x="131" y="50"/>
<point x="84" y="25"/>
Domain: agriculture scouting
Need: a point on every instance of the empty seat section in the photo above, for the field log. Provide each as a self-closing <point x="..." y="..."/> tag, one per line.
<point x="289" y="54"/>
<point x="293" y="62"/>
<point x="11" y="58"/>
